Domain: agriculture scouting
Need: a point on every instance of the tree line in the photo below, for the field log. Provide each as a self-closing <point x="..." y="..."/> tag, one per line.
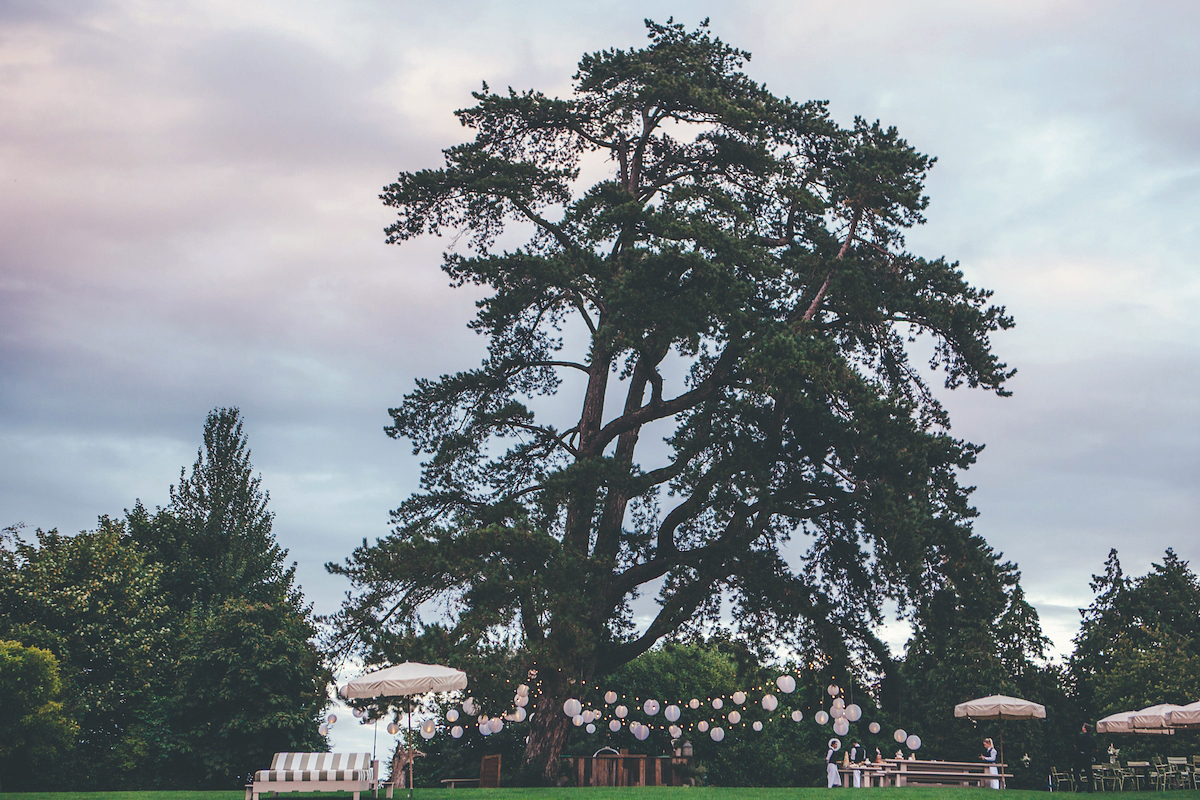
<point x="164" y="649"/>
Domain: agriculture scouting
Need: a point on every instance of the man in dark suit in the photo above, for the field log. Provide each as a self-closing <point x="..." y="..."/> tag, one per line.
<point x="1085" y="754"/>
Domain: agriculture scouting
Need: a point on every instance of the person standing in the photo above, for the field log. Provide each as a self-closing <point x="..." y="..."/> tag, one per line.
<point x="831" y="767"/>
<point x="1085" y="754"/>
<point x="989" y="754"/>
<point x="857" y="756"/>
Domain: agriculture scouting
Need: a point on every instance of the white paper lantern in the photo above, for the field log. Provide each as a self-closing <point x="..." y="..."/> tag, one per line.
<point x="832" y="689"/>
<point x="484" y="729"/>
<point x="452" y="715"/>
<point x="577" y="720"/>
<point x="470" y="706"/>
<point x="900" y="735"/>
<point x="522" y="691"/>
<point x="702" y="726"/>
<point x="572" y="707"/>
<point x="651" y="707"/>
<point x="675" y="731"/>
<point x="841" y="727"/>
<point x="757" y="725"/>
<point x="521" y="700"/>
<point x="717" y="734"/>
<point x="913" y="742"/>
<point x="739" y="697"/>
<point x="838" y="703"/>
<point x="873" y="727"/>
<point x="427" y="734"/>
<point x="642" y="733"/>
<point x="610" y="697"/>
<point x="495" y="724"/>
<point x="671" y="713"/>
<point x="836" y="712"/>
<point x="718" y="703"/>
<point x="693" y="703"/>
<point x="734" y="717"/>
<point x="820" y="717"/>
<point x="797" y="715"/>
<point x="853" y="712"/>
<point x="770" y="702"/>
<point x="614" y="725"/>
<point x="456" y="731"/>
<point x="520" y="715"/>
<point x="358" y="713"/>
<point x="590" y="728"/>
<point x="621" y="712"/>
<point x="786" y="684"/>
<point x="393" y="728"/>
<point x="323" y="729"/>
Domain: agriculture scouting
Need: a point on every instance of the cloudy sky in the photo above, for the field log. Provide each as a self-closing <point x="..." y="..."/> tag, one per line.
<point x="188" y="219"/>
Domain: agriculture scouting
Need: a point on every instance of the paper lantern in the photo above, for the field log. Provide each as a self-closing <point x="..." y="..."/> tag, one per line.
<point x="332" y="718"/>
<point x="484" y="729"/>
<point x="671" y="713"/>
<point x="651" y="707"/>
<point x="702" y="726"/>
<point x="520" y="715"/>
<point x="786" y="684"/>
<point x="873" y="727"/>
<point x="717" y="734"/>
<point x="836" y="712"/>
<point x="323" y="729"/>
<point x="470" y="706"/>
<point x="590" y="728"/>
<point x="572" y="707"/>
<point x="577" y="720"/>
<point x="621" y="711"/>
<point x="853" y="712"/>
<point x="913" y="742"/>
<point x="757" y="725"/>
<point x="734" y="717"/>
<point x="610" y="697"/>
<point x="496" y="724"/>
<point x="427" y="734"/>
<point x="770" y="702"/>
<point x="522" y="691"/>
<point x="900" y="735"/>
<point x="797" y="715"/>
<point x="838" y="703"/>
<point x="393" y="728"/>
<point x="642" y="733"/>
<point x="693" y="703"/>
<point x="675" y="731"/>
<point x="614" y="725"/>
<point x="456" y="731"/>
<point x="452" y="715"/>
<point x="841" y="727"/>
<point x="739" y="697"/>
<point x="718" y="703"/>
<point x="358" y="713"/>
<point x="521" y="700"/>
<point x="832" y="689"/>
<point x="820" y="717"/>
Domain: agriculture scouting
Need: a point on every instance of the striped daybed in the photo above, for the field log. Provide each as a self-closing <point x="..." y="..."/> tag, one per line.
<point x="315" y="772"/>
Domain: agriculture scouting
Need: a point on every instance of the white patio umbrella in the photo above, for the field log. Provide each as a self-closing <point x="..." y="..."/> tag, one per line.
<point x="1121" y="722"/>
<point x="405" y="680"/>
<point x="1152" y="719"/>
<point x="1000" y="707"/>
<point x="1184" y="716"/>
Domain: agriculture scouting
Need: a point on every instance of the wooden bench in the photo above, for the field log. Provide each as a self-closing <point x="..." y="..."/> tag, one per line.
<point x="316" y="772"/>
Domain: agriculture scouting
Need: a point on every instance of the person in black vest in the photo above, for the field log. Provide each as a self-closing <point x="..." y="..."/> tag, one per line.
<point x="857" y="756"/>
<point x="989" y="755"/>
<point x="1085" y="754"/>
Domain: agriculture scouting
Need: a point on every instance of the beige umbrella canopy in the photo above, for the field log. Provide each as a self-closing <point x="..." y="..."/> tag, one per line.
<point x="405" y="680"/>
<point x="1121" y="722"/>
<point x="1152" y="719"/>
<point x="1000" y="707"/>
<point x="1184" y="716"/>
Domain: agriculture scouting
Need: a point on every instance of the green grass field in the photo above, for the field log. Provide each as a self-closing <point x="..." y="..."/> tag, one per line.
<point x="650" y="793"/>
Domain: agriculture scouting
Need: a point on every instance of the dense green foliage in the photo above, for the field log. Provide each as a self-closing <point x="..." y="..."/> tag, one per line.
<point x="185" y="647"/>
<point x="736" y="282"/>
<point x="33" y="727"/>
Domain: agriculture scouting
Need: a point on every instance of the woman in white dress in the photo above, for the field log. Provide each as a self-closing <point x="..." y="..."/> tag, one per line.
<point x="831" y="765"/>
<point x="989" y="754"/>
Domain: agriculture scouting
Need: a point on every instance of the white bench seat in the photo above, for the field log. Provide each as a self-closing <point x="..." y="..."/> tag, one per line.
<point x="315" y="772"/>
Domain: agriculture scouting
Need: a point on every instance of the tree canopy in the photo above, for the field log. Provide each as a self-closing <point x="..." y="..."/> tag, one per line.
<point x="702" y="377"/>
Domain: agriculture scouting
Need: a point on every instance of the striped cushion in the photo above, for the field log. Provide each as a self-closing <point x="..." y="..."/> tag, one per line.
<point x="317" y="767"/>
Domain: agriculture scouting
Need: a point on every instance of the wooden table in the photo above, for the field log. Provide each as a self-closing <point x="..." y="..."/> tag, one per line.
<point x="623" y="769"/>
<point x="901" y="772"/>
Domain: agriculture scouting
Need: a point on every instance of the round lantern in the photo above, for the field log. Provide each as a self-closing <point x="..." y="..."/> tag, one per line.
<point x="484" y="729"/>
<point x="900" y="735"/>
<point x="456" y="731"/>
<point x="770" y="702"/>
<point x="853" y="712"/>
<point x="837" y="712"/>
<point x="495" y="724"/>
<point x="841" y="727"/>
<point x="520" y="715"/>
<point x="452" y="715"/>
<point x="572" y="707"/>
<point x="757" y="725"/>
<point x="820" y="717"/>
<point x="739" y="697"/>
<point x="521" y="700"/>
<point x="428" y="729"/>
<point x="642" y="733"/>
<point x="393" y="728"/>
<point x="693" y="703"/>
<point x="577" y="720"/>
<point x="734" y="717"/>
<point x="590" y="728"/>
<point x="675" y="731"/>
<point x="797" y="715"/>
<point x="786" y="684"/>
<point x="838" y="703"/>
<point x="610" y="697"/>
<point x="718" y="703"/>
<point x="358" y="713"/>
<point x="671" y="713"/>
<point x="621" y="711"/>
<point x="913" y="742"/>
<point x="650" y="707"/>
<point x="332" y="718"/>
<point x="470" y="706"/>
<point x="614" y="725"/>
<point x="832" y="689"/>
<point x="717" y="734"/>
<point x="702" y="726"/>
<point x="323" y="729"/>
<point x="873" y="727"/>
<point x="522" y="690"/>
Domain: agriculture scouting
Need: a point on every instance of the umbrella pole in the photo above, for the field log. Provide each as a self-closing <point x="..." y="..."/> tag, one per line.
<point x="1002" y="761"/>
<point x="411" y="753"/>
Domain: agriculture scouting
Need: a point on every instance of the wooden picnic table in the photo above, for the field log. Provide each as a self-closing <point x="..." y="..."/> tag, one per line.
<point x="902" y="772"/>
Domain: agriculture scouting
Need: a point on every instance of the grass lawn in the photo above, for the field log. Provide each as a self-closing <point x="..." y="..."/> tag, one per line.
<point x="651" y="793"/>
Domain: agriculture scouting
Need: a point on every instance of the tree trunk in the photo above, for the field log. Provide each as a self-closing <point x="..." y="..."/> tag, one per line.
<point x="548" y="731"/>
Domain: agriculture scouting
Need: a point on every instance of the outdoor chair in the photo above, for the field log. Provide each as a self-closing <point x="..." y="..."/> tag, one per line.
<point x="1132" y="774"/>
<point x="1108" y="777"/>
<point x="1057" y="779"/>
<point x="1181" y="772"/>
<point x="1162" y="775"/>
